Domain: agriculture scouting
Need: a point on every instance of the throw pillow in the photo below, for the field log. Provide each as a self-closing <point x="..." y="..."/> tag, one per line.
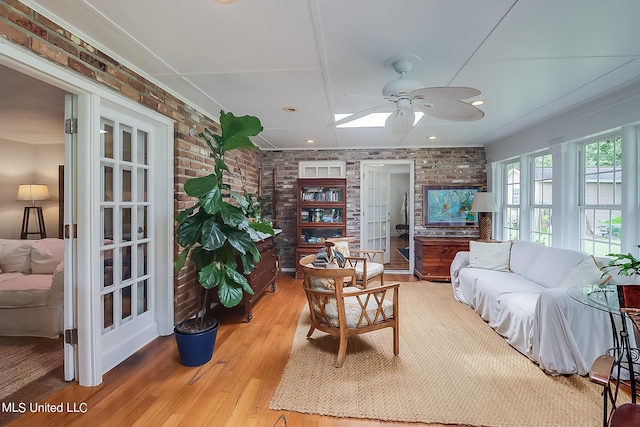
<point x="490" y="256"/>
<point x="343" y="247"/>
<point x="585" y="273"/>
<point x="46" y="255"/>
<point x="15" y="256"/>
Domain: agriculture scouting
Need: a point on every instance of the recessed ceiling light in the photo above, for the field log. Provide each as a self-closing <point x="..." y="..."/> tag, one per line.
<point x="226" y="1"/>
<point x="290" y="109"/>
<point x="477" y="102"/>
<point x="431" y="137"/>
<point x="310" y="141"/>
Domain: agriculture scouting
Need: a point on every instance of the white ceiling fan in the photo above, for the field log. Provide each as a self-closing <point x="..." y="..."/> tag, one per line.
<point x="439" y="102"/>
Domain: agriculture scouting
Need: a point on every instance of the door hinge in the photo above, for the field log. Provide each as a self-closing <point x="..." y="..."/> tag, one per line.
<point x="71" y="336"/>
<point x="67" y="228"/>
<point x="71" y="126"/>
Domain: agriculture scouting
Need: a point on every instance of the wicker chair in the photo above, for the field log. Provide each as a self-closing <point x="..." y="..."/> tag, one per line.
<point x="340" y="309"/>
<point x="368" y="263"/>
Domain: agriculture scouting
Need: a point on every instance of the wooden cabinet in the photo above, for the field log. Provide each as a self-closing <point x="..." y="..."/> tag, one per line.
<point x="263" y="275"/>
<point x="433" y="256"/>
<point x="321" y="214"/>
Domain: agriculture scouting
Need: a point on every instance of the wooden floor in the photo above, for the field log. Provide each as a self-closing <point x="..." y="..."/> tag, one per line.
<point x="397" y="261"/>
<point x="151" y="388"/>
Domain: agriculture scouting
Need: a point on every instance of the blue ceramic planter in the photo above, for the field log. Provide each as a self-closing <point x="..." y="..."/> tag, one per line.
<point x="196" y="349"/>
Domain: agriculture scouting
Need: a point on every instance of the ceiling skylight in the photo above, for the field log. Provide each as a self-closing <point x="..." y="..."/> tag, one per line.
<point x="373" y="120"/>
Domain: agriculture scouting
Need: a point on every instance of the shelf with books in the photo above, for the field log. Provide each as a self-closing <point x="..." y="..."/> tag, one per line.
<point x="321" y="212"/>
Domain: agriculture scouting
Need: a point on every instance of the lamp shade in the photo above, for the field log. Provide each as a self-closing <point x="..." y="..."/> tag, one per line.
<point x="484" y="202"/>
<point x="33" y="192"/>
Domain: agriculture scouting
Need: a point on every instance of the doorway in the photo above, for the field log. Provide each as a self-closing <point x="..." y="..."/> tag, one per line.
<point x="151" y="282"/>
<point x="386" y="211"/>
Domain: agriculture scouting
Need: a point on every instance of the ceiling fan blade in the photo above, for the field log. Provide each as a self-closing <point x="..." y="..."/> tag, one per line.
<point x="357" y="115"/>
<point x="447" y="92"/>
<point x="399" y="123"/>
<point x="450" y="110"/>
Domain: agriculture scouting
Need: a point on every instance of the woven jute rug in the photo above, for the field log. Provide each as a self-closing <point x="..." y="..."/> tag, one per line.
<point x="25" y="359"/>
<point x="452" y="369"/>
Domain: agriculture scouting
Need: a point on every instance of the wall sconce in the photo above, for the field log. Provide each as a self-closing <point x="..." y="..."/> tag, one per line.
<point x="33" y="192"/>
<point x="484" y="204"/>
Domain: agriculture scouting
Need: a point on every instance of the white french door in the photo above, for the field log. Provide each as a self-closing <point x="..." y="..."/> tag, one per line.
<point x="126" y="244"/>
<point x="375" y="215"/>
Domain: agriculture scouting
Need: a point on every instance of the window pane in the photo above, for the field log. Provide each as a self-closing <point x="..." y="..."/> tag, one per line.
<point x="600" y="214"/>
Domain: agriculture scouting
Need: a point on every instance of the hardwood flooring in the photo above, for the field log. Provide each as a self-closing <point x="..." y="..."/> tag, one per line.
<point x="397" y="261"/>
<point x="151" y="388"/>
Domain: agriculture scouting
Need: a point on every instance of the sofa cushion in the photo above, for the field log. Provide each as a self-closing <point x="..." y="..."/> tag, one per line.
<point x="523" y="254"/>
<point x="28" y="290"/>
<point x="552" y="266"/>
<point x="490" y="256"/>
<point x="353" y="307"/>
<point x="585" y="273"/>
<point x="46" y="255"/>
<point x="15" y="256"/>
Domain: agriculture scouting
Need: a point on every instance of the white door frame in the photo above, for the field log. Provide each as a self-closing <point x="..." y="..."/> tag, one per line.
<point x="411" y="201"/>
<point x="90" y="95"/>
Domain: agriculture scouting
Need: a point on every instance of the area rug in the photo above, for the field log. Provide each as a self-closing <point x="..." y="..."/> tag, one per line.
<point x="452" y="369"/>
<point x="404" y="252"/>
<point x="25" y="359"/>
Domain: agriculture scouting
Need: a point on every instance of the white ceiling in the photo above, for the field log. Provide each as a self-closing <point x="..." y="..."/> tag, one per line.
<point x="530" y="58"/>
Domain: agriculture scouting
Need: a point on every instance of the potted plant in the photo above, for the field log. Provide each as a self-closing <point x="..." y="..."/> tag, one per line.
<point x="624" y="265"/>
<point x="218" y="233"/>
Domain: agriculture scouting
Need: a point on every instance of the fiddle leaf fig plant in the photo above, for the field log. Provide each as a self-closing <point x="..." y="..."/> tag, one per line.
<point x="217" y="232"/>
<point x="624" y="264"/>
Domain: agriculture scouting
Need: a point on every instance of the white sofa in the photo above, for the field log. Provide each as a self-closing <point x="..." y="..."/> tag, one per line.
<point x="31" y="287"/>
<point x="520" y="289"/>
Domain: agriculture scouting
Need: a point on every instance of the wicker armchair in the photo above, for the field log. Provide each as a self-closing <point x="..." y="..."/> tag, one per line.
<point x="340" y="309"/>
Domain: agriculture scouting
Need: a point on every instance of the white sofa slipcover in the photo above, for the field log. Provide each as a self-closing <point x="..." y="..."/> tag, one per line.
<point x="31" y="287"/>
<point x="527" y="302"/>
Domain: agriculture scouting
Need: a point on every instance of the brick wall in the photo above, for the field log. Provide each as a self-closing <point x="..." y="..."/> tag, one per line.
<point x="433" y="166"/>
<point x="34" y="32"/>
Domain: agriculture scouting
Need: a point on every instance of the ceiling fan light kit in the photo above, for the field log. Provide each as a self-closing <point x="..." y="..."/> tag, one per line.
<point x="439" y="102"/>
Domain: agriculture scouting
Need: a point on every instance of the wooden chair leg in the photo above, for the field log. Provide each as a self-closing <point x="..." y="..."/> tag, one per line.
<point x="342" y="352"/>
<point x="311" y="329"/>
<point x="396" y="341"/>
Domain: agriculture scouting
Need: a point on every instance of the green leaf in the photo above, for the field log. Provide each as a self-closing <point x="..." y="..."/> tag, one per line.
<point x="262" y="227"/>
<point x="182" y="258"/>
<point x="240" y="240"/>
<point x="211" y="201"/>
<point x="198" y="187"/>
<point x="236" y="131"/>
<point x="212" y="236"/>
<point x="211" y="275"/>
<point x="231" y="215"/>
<point x="182" y="216"/>
<point x="189" y="231"/>
<point x="231" y="288"/>
<point x="239" y="280"/>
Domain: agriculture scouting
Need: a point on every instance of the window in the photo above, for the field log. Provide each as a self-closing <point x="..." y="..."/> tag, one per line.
<point x="541" y="199"/>
<point x="600" y="196"/>
<point x="322" y="169"/>
<point x="511" y="205"/>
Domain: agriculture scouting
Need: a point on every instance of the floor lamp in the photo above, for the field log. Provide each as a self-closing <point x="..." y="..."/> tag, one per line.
<point x="33" y="192"/>
<point x="484" y="204"/>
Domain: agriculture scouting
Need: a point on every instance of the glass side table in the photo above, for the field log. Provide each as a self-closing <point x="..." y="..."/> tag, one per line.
<point x="606" y="298"/>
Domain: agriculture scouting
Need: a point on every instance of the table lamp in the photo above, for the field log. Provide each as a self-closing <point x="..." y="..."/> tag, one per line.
<point x="484" y="204"/>
<point x="33" y="192"/>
